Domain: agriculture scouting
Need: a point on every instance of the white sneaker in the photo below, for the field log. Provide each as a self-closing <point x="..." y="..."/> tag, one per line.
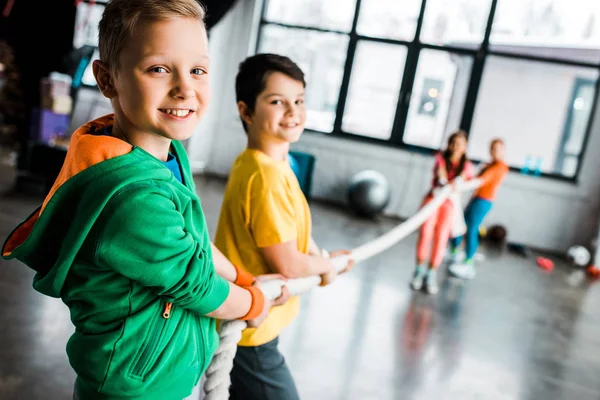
<point x="455" y="257"/>
<point x="463" y="270"/>
<point x="417" y="282"/>
<point x="419" y="277"/>
<point x="432" y="284"/>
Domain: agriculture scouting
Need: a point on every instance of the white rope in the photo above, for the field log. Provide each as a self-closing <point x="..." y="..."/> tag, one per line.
<point x="218" y="380"/>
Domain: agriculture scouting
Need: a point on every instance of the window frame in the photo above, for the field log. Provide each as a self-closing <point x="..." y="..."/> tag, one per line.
<point x="414" y="48"/>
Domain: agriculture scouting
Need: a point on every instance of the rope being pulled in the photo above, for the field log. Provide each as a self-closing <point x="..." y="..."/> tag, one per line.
<point x="218" y="381"/>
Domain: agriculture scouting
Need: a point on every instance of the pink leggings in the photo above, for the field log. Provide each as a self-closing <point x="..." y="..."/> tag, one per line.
<point x="435" y="229"/>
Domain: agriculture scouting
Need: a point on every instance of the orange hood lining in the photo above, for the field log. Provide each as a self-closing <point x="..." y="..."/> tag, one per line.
<point x="85" y="150"/>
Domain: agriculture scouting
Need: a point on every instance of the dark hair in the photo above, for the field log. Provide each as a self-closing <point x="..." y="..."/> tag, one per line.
<point x="253" y="72"/>
<point x="447" y="154"/>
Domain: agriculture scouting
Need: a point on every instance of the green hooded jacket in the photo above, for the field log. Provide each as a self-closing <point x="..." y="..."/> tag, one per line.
<point x="126" y="248"/>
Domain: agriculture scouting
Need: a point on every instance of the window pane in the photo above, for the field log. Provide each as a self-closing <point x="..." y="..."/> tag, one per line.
<point x="86" y="24"/>
<point x="322" y="57"/>
<point x="324" y="14"/>
<point x="459" y="23"/>
<point x="575" y="127"/>
<point x="389" y="19"/>
<point x="531" y="105"/>
<point x="438" y="97"/>
<point x="581" y="106"/>
<point x="374" y="89"/>
<point x="566" y="29"/>
<point x="88" y="75"/>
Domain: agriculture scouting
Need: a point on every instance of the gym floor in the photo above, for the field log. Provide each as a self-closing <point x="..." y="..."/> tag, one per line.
<point x="515" y="332"/>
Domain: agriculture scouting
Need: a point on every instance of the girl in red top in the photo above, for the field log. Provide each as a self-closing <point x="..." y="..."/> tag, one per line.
<point x="435" y="231"/>
<point x="491" y="177"/>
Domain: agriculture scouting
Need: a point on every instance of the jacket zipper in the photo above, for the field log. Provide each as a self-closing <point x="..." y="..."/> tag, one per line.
<point x="156" y="331"/>
<point x="167" y="311"/>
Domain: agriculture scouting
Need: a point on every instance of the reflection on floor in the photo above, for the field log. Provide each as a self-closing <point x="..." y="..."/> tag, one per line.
<point x="515" y="332"/>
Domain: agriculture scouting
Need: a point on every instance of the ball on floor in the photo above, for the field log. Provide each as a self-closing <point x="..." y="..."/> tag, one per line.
<point x="578" y="255"/>
<point x="496" y="233"/>
<point x="368" y="193"/>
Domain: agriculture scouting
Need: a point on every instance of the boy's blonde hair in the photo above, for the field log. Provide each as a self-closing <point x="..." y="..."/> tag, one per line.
<point x="121" y="17"/>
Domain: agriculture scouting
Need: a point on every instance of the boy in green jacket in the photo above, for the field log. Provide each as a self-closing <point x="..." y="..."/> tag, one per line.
<point x="121" y="236"/>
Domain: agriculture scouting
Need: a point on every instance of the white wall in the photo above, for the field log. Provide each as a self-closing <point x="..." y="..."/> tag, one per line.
<point x="536" y="211"/>
<point x="230" y="41"/>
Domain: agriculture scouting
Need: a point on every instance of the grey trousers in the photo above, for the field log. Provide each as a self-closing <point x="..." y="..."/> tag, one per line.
<point x="260" y="373"/>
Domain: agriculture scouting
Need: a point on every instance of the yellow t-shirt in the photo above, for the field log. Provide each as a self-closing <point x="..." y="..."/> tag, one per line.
<point x="263" y="205"/>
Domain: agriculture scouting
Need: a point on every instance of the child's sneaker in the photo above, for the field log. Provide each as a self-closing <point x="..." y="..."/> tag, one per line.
<point x="432" y="284"/>
<point x="464" y="270"/>
<point x="453" y="256"/>
<point x="418" y="278"/>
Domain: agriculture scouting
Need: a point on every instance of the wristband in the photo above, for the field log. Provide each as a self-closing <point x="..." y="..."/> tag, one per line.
<point x="243" y="278"/>
<point x="258" y="303"/>
<point x="324" y="253"/>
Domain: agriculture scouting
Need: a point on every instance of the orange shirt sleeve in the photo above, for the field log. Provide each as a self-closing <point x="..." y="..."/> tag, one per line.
<point x="492" y="177"/>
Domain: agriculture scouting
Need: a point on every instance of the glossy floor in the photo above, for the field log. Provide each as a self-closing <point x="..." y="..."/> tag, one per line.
<point x="515" y="332"/>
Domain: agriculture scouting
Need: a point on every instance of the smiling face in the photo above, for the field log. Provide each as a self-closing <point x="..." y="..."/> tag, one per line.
<point x="279" y="114"/>
<point x="160" y="88"/>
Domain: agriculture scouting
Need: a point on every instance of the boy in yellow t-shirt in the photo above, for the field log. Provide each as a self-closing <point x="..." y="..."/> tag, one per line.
<point x="265" y="222"/>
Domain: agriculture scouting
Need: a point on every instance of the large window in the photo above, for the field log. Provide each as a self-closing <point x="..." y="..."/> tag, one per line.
<point x="87" y="18"/>
<point x="408" y="73"/>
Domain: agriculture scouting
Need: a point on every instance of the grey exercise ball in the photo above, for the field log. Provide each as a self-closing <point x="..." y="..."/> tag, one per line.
<point x="368" y="193"/>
